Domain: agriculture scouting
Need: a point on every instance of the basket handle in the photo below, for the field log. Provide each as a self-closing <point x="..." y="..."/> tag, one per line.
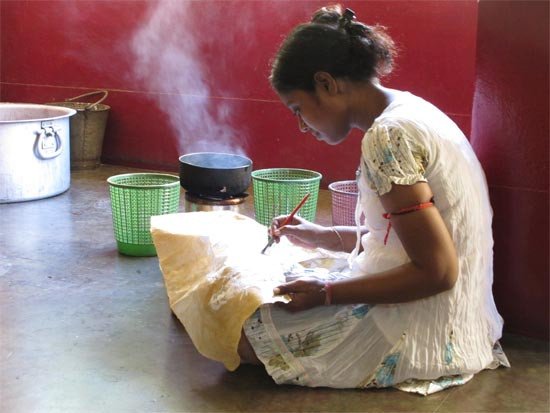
<point x="91" y="105"/>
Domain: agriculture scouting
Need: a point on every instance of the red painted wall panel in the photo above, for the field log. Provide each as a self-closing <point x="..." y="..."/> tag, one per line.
<point x="510" y="135"/>
<point x="185" y="72"/>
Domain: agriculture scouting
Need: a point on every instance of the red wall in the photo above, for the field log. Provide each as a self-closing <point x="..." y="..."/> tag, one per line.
<point x="510" y="135"/>
<point x="52" y="50"/>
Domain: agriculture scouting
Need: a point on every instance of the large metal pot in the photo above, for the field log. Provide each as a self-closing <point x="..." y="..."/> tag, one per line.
<point x="216" y="175"/>
<point x="35" y="154"/>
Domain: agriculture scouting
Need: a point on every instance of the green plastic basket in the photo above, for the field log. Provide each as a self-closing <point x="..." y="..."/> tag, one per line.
<point x="277" y="191"/>
<point x="134" y="199"/>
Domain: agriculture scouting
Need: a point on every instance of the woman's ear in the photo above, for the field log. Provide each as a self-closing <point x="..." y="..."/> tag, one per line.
<point x="326" y="82"/>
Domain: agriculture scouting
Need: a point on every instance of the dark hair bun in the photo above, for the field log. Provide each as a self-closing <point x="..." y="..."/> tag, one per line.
<point x="334" y="42"/>
<point x="333" y="16"/>
<point x="375" y="38"/>
<point x="329" y="15"/>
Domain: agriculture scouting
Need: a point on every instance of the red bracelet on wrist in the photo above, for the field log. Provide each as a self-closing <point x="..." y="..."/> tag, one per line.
<point x="328" y="293"/>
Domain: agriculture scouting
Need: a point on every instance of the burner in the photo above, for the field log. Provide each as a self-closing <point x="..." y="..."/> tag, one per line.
<point x="195" y="202"/>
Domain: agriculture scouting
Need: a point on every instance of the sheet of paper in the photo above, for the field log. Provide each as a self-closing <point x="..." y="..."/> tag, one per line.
<point x="216" y="276"/>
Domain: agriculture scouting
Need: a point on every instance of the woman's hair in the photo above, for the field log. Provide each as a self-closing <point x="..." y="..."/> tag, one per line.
<point x="333" y="42"/>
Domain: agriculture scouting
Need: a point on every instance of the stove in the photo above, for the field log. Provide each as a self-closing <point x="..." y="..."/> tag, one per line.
<point x="194" y="202"/>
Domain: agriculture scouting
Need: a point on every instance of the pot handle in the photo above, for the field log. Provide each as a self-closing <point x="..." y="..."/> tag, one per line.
<point x="48" y="143"/>
<point x="91" y="105"/>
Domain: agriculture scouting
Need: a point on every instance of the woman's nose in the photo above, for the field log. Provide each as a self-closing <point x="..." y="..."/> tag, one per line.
<point x="302" y="125"/>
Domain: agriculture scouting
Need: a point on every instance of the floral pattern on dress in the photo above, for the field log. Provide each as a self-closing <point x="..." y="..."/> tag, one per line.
<point x="279" y="362"/>
<point x="385" y="373"/>
<point x="391" y="157"/>
<point x="303" y="346"/>
<point x="449" y="350"/>
<point x="360" y="311"/>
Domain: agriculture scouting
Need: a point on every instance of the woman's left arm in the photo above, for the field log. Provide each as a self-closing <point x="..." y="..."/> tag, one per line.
<point x="433" y="266"/>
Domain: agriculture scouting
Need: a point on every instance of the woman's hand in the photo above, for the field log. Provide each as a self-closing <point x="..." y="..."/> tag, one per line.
<point x="299" y="231"/>
<point x="304" y="293"/>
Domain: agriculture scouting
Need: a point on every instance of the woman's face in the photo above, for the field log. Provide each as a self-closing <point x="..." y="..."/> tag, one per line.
<point x="319" y="114"/>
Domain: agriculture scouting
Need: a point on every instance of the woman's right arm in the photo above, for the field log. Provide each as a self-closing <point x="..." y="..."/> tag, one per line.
<point x="309" y="235"/>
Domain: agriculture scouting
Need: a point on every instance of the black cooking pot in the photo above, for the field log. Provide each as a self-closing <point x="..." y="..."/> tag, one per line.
<point x="217" y="175"/>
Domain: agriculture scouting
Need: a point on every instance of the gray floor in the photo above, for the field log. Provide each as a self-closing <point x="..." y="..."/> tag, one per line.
<point x="84" y="329"/>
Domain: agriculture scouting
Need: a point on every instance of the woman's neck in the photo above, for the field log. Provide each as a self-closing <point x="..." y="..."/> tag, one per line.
<point x="367" y="102"/>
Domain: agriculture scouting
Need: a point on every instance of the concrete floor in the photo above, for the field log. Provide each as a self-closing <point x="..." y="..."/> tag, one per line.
<point x="84" y="329"/>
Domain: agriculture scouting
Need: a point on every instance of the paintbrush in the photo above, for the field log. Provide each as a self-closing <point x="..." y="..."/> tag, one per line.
<point x="288" y="220"/>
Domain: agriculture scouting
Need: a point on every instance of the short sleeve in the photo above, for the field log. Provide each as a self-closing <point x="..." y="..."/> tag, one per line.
<point x="390" y="156"/>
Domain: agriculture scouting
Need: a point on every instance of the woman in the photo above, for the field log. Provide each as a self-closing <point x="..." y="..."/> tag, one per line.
<point x="418" y="312"/>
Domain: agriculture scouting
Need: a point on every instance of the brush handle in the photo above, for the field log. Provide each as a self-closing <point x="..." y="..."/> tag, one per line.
<point x="288" y="219"/>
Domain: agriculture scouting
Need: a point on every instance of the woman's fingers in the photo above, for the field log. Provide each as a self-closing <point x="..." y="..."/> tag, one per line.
<point x="274" y="230"/>
<point x="280" y="222"/>
<point x="283" y="289"/>
<point x="299" y="231"/>
<point x="278" y="227"/>
<point x="299" y="285"/>
<point x="303" y="293"/>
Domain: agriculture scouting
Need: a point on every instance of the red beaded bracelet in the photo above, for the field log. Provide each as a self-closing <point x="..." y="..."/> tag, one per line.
<point x="328" y="293"/>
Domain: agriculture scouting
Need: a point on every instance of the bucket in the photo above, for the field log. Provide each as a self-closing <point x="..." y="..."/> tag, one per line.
<point x="87" y="129"/>
<point x="344" y="195"/>
<point x="278" y="191"/>
<point x="134" y="199"/>
<point x="34" y="160"/>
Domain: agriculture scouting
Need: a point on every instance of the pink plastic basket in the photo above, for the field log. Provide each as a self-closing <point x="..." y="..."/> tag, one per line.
<point x="344" y="196"/>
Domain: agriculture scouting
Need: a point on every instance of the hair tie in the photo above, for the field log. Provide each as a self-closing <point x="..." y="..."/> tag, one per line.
<point x="347" y="17"/>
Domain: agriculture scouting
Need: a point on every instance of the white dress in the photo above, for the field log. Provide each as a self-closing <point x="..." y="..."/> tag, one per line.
<point x="424" y="345"/>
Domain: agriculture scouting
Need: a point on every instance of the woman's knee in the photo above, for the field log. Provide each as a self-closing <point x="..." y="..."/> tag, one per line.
<point x="246" y="352"/>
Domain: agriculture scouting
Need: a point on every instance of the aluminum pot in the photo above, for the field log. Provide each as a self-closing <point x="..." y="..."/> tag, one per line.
<point x="35" y="151"/>
<point x="216" y="175"/>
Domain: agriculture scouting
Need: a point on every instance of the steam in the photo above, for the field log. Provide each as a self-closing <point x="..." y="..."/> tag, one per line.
<point x="167" y="55"/>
